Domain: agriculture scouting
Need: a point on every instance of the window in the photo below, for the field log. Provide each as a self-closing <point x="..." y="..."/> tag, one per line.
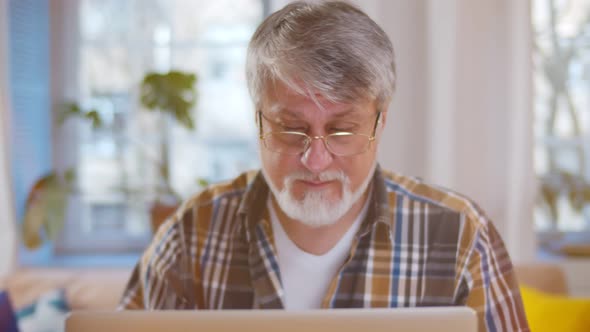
<point x="116" y="44"/>
<point x="562" y="121"/>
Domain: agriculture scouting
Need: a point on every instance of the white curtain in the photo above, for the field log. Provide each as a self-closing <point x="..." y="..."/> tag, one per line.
<point x="8" y="235"/>
<point x="462" y="114"/>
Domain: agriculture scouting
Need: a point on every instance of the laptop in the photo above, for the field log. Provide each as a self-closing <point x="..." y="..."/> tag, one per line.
<point x="456" y="319"/>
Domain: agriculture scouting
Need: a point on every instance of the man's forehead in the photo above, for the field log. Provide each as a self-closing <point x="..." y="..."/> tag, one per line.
<point x="332" y="111"/>
<point x="285" y="101"/>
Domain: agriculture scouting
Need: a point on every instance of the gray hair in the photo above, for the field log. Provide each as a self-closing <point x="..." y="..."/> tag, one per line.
<point x="331" y="48"/>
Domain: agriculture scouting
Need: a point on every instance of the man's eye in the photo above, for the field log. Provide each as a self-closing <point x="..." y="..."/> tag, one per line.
<point x="347" y="129"/>
<point x="343" y="127"/>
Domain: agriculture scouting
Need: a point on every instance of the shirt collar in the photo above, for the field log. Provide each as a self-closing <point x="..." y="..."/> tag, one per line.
<point x="378" y="211"/>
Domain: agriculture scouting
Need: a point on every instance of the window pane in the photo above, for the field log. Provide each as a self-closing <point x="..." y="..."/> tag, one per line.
<point x="562" y="123"/>
<point x="105" y="69"/>
<point x="221" y="75"/>
<point x="221" y="21"/>
<point x="119" y="162"/>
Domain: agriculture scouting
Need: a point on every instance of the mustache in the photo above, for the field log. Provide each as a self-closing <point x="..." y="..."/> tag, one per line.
<point x="321" y="177"/>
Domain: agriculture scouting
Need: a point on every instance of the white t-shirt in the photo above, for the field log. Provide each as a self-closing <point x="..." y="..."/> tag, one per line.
<point x="306" y="277"/>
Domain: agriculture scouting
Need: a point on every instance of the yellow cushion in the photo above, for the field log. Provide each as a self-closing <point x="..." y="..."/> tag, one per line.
<point x="547" y="312"/>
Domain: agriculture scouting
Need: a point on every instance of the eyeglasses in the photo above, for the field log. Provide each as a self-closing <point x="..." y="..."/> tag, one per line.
<point x="338" y="143"/>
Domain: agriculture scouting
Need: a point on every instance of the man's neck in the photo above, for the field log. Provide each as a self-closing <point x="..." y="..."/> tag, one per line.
<point x="319" y="240"/>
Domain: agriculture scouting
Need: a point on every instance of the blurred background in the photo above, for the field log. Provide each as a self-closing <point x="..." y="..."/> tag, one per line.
<point x="492" y="101"/>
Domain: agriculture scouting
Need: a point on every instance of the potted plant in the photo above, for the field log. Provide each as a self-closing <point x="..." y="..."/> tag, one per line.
<point x="46" y="202"/>
<point x="576" y="190"/>
<point x="173" y="95"/>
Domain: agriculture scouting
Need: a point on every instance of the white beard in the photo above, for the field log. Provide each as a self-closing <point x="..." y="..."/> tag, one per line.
<point x="316" y="209"/>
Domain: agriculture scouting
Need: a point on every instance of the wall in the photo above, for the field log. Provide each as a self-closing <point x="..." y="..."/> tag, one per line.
<point x="7" y="224"/>
<point x="461" y="117"/>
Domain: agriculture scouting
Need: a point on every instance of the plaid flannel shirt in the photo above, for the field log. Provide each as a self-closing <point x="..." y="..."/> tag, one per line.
<point x="418" y="246"/>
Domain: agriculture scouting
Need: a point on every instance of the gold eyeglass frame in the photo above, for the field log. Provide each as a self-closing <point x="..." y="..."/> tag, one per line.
<point x="262" y="136"/>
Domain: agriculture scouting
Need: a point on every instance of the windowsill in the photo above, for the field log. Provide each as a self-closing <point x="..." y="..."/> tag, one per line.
<point x="563" y="245"/>
<point x="46" y="257"/>
<point x="94" y="261"/>
<point x="548" y="256"/>
<point x="127" y="260"/>
<point x="575" y="268"/>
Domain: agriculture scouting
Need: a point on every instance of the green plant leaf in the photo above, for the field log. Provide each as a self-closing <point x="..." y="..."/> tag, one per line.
<point x="94" y="117"/>
<point x="45" y="209"/>
<point x="172" y="93"/>
<point x="55" y="209"/>
<point x="202" y="182"/>
<point x="67" y="111"/>
<point x="558" y="183"/>
<point x="70" y="176"/>
<point x="185" y="118"/>
<point x="550" y="198"/>
<point x="32" y="224"/>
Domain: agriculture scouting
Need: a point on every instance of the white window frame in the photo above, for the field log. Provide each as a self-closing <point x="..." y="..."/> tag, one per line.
<point x="64" y="80"/>
<point x="554" y="239"/>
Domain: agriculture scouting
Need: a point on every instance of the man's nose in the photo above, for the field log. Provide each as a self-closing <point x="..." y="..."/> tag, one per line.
<point x="317" y="158"/>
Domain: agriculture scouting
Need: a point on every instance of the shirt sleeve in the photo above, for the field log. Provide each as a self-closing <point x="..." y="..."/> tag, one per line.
<point x="491" y="284"/>
<point x="133" y="294"/>
<point x="163" y="278"/>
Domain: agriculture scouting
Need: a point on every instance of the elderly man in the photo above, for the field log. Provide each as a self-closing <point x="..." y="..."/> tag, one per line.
<point x="321" y="225"/>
